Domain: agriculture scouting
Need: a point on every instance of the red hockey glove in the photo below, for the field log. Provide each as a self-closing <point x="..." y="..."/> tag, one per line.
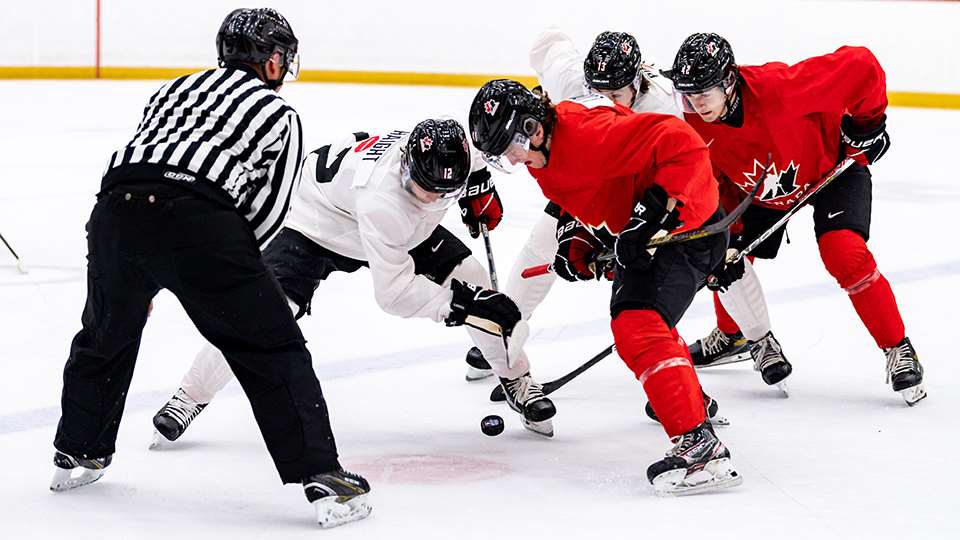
<point x="864" y="144"/>
<point x="577" y="251"/>
<point x="650" y="216"/>
<point x="480" y="203"/>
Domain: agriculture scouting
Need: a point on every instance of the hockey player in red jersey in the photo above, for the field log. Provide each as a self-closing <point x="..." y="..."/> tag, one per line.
<point x="621" y="178"/>
<point x="808" y="116"/>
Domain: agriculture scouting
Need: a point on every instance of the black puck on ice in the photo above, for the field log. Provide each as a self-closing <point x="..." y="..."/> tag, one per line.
<point x="491" y="425"/>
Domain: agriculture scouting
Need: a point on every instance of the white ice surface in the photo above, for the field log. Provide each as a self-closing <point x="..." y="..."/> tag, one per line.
<point x="843" y="457"/>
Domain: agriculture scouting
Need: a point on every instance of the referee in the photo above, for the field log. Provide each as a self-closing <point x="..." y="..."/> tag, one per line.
<point x="184" y="206"/>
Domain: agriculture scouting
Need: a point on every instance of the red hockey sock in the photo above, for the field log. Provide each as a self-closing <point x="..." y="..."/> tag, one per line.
<point x="848" y="259"/>
<point x="660" y="361"/>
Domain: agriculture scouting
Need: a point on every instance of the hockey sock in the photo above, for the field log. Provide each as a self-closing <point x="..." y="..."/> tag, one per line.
<point x="847" y="258"/>
<point x="660" y="361"/>
<point x="725" y="322"/>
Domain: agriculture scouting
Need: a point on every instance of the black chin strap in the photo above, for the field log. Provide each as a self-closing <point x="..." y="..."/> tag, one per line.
<point x="734" y="115"/>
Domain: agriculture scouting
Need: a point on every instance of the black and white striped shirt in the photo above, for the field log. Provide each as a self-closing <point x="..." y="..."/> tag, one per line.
<point x="221" y="129"/>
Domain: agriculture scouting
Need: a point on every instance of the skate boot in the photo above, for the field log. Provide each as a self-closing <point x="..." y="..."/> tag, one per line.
<point x="339" y="497"/>
<point x="719" y="348"/>
<point x="904" y="372"/>
<point x="174" y="418"/>
<point x="697" y="462"/>
<point x="525" y="396"/>
<point x="709" y="404"/>
<point x="477" y="366"/>
<point x="769" y="360"/>
<point x="63" y="479"/>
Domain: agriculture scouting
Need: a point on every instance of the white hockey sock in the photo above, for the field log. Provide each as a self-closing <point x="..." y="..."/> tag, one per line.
<point x="745" y="303"/>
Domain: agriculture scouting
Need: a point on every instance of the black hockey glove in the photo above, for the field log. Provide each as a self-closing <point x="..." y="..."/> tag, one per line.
<point x="490" y="311"/>
<point x="864" y="144"/>
<point x="577" y="251"/>
<point x="649" y="217"/>
<point x="480" y="203"/>
<point x="725" y="275"/>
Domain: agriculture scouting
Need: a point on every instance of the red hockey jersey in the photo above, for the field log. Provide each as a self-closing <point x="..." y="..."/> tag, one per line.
<point x="794" y="112"/>
<point x="604" y="156"/>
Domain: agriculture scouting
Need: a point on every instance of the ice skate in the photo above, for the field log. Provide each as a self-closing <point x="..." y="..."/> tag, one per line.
<point x="174" y="418"/>
<point x="477" y="366"/>
<point x="91" y="471"/>
<point x="697" y="462"/>
<point x="339" y="497"/>
<point x="769" y="360"/>
<point x="709" y="404"/>
<point x="904" y="372"/>
<point x="720" y="348"/>
<point x="525" y="396"/>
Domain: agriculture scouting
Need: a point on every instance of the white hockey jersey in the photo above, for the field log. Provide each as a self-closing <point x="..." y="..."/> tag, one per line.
<point x="559" y="68"/>
<point x="351" y="201"/>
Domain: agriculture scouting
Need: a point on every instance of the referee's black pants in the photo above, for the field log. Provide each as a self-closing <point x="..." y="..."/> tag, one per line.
<point x="146" y="237"/>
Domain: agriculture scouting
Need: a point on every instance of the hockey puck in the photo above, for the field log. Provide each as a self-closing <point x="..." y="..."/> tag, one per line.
<point x="491" y="425"/>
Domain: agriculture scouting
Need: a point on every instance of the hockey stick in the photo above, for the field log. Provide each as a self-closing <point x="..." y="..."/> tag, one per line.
<point x="521" y="331"/>
<point x="552" y="386"/>
<point x="675" y="238"/>
<point x="20" y="266"/>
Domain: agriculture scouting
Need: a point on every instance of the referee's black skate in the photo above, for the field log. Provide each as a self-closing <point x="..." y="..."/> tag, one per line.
<point x="91" y="470"/>
<point x="769" y="360"/>
<point x="709" y="404"/>
<point x="339" y="497"/>
<point x="697" y="462"/>
<point x="526" y="396"/>
<point x="477" y="366"/>
<point x="719" y="348"/>
<point x="174" y="418"/>
<point x="904" y="372"/>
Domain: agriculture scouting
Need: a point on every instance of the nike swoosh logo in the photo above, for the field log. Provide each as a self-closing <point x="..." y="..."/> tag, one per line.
<point x="834" y="214"/>
<point x="436" y="247"/>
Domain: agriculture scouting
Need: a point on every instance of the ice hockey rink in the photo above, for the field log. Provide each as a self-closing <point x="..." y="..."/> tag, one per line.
<point x="842" y="457"/>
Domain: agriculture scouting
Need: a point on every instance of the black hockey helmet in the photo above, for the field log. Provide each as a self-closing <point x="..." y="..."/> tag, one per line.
<point x="253" y="35"/>
<point x="437" y="157"/>
<point x="612" y="62"/>
<point x="501" y="109"/>
<point x="704" y="61"/>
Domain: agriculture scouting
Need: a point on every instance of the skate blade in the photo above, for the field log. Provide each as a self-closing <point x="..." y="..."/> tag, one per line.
<point x="732" y="359"/>
<point x="474" y="374"/>
<point x="331" y="513"/>
<point x="63" y="479"/>
<point x="544" y="428"/>
<point x="717" y="474"/>
<point x="914" y="394"/>
<point x="718" y="420"/>
<point x="158" y="442"/>
<point x="783" y="388"/>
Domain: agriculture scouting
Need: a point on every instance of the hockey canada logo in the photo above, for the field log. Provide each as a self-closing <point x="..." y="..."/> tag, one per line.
<point x="425" y="143"/>
<point x="779" y="187"/>
<point x="625" y="47"/>
<point x="490" y="107"/>
<point x="711" y="48"/>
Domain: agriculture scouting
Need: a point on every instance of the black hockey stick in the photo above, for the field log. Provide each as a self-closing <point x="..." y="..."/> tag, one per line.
<point x="552" y="386"/>
<point x="15" y="256"/>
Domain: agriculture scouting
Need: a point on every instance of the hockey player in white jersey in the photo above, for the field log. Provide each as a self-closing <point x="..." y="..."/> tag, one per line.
<point x="377" y="201"/>
<point x="614" y="67"/>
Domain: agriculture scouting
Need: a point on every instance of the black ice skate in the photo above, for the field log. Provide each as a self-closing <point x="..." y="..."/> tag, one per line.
<point x="91" y="471"/>
<point x="904" y="372"/>
<point x="719" y="348"/>
<point x="477" y="366"/>
<point x="769" y="360"/>
<point x="709" y="404"/>
<point x="525" y="396"/>
<point x="697" y="462"/>
<point x="174" y="418"/>
<point x="339" y="497"/>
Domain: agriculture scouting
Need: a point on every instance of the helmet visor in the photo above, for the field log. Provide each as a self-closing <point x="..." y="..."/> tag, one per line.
<point x="292" y="61"/>
<point x="426" y="199"/>
<point x="703" y="102"/>
<point x="513" y="158"/>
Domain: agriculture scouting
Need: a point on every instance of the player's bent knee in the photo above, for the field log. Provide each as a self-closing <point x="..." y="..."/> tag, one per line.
<point x="846" y="256"/>
<point x="471" y="271"/>
<point x="644" y="341"/>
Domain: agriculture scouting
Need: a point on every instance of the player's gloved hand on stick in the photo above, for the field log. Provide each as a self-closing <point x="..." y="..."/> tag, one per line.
<point x="484" y="309"/>
<point x="480" y="203"/>
<point x="725" y="274"/>
<point x="865" y="144"/>
<point x="577" y="251"/>
<point x="649" y="217"/>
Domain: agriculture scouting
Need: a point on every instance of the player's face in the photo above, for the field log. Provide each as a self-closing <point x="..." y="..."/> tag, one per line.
<point x="621" y="96"/>
<point x="520" y="151"/>
<point x="710" y="105"/>
<point x="422" y="195"/>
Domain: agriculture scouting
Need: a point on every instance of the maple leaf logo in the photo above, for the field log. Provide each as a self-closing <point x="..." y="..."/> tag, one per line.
<point x="490" y="106"/>
<point x="779" y="187"/>
<point x="425" y="143"/>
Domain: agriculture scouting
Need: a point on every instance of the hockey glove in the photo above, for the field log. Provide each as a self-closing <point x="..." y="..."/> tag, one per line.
<point x="649" y="217"/>
<point x="480" y="203"/>
<point x="486" y="310"/>
<point x="864" y="144"/>
<point x="577" y="251"/>
<point x="725" y="275"/>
